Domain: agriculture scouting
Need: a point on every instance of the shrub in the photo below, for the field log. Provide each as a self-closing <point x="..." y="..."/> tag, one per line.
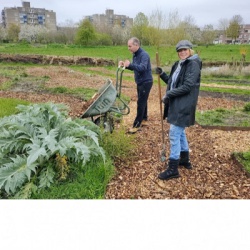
<point x="118" y="144"/>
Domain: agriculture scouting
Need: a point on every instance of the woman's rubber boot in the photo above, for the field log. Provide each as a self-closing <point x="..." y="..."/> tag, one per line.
<point x="171" y="171"/>
<point x="184" y="160"/>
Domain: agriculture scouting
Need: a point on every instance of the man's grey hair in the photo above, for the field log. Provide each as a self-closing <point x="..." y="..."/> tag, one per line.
<point x="135" y="41"/>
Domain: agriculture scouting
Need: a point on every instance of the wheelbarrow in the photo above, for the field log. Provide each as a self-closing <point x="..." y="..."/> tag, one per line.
<point x="108" y="102"/>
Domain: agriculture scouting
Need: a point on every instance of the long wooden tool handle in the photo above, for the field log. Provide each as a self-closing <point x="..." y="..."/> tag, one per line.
<point x="159" y="88"/>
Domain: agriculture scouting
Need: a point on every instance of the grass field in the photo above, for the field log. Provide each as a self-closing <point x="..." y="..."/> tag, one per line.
<point x="167" y="54"/>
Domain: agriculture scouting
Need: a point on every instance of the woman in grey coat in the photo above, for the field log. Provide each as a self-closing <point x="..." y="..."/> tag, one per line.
<point x="183" y="84"/>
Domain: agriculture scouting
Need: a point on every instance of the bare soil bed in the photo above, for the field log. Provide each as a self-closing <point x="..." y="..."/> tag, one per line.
<point x="214" y="174"/>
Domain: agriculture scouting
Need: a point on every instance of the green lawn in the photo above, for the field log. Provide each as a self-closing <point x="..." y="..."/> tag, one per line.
<point x="167" y="54"/>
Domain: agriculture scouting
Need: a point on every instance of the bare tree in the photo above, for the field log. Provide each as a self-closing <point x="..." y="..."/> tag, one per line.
<point x="158" y="19"/>
<point x="173" y="20"/>
<point x="234" y="27"/>
<point x="237" y="18"/>
<point x="170" y="28"/>
<point x="3" y="33"/>
<point x="140" y="27"/>
<point x="208" y="34"/>
<point x="126" y="33"/>
<point x="67" y="30"/>
<point x="116" y="34"/>
<point x="190" y="30"/>
<point x="223" y="24"/>
<point x="68" y="23"/>
<point x="103" y="28"/>
<point x="13" y="32"/>
<point x="157" y="23"/>
<point x="32" y="33"/>
<point x="179" y="29"/>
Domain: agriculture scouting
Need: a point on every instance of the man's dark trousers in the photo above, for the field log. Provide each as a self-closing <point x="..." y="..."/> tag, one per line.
<point x="142" y="107"/>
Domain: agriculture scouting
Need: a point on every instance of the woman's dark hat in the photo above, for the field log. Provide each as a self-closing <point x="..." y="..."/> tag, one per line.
<point x="184" y="44"/>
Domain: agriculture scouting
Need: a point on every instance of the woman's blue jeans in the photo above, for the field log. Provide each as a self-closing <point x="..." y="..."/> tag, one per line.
<point x="178" y="141"/>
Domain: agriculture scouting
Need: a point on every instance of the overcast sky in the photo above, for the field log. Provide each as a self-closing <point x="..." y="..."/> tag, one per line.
<point x="203" y="12"/>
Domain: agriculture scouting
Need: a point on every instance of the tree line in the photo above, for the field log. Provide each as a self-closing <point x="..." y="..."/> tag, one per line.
<point x="156" y="29"/>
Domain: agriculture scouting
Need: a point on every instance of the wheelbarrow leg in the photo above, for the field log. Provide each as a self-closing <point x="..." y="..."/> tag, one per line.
<point x="106" y="122"/>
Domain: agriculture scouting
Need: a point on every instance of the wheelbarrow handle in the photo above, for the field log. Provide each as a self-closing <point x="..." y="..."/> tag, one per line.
<point x="119" y="79"/>
<point x="121" y="67"/>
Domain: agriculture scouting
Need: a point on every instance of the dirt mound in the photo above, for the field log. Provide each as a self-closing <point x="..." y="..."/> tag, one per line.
<point x="56" y="60"/>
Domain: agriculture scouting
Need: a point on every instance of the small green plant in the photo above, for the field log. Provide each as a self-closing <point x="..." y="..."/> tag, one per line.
<point x="59" y="90"/>
<point x="247" y="107"/>
<point x="118" y="144"/>
<point x="39" y="144"/>
<point x="244" y="159"/>
<point x="221" y="110"/>
<point x="246" y="156"/>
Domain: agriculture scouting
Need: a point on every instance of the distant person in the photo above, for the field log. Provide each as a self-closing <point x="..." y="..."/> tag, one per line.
<point x="183" y="84"/>
<point x="143" y="79"/>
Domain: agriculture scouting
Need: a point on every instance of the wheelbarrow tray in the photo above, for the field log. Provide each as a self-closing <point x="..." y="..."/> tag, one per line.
<point x="106" y="98"/>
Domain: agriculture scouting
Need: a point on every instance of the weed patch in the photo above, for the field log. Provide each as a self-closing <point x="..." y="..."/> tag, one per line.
<point x="8" y="106"/>
<point x="88" y="182"/>
<point x="244" y="159"/>
<point x="224" y="117"/>
<point x="83" y="93"/>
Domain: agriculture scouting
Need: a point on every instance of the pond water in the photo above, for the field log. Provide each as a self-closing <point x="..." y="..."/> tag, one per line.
<point x="213" y="68"/>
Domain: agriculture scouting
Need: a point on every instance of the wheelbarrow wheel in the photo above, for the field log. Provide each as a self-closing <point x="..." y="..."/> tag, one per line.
<point x="106" y="123"/>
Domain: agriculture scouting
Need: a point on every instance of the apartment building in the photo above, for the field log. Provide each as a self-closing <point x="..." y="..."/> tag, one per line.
<point x="244" y="34"/>
<point x="110" y="19"/>
<point x="28" y="15"/>
<point x="243" y="37"/>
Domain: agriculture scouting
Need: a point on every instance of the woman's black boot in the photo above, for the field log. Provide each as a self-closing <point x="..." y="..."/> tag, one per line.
<point x="171" y="171"/>
<point x="184" y="160"/>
